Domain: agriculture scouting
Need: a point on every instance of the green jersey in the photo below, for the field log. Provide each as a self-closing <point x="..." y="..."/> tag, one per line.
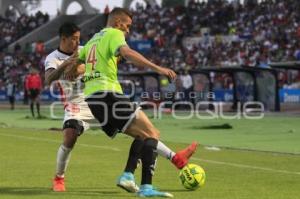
<point x="100" y="55"/>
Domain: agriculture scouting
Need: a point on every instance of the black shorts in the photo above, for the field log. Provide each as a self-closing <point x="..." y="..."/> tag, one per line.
<point x="114" y="111"/>
<point x="33" y="93"/>
<point x="74" y="124"/>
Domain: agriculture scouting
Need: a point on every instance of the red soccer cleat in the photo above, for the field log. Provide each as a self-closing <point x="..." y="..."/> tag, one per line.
<point x="58" y="184"/>
<point x="182" y="157"/>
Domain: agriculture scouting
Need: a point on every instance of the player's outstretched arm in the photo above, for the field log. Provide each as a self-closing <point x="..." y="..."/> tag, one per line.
<point x="139" y="60"/>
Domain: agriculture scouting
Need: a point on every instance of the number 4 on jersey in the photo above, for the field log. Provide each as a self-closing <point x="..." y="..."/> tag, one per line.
<point x="92" y="57"/>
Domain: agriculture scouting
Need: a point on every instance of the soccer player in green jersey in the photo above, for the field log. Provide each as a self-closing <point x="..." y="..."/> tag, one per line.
<point x="111" y="108"/>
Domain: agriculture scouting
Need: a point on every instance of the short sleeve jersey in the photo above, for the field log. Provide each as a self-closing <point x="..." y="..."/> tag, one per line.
<point x="100" y="55"/>
<point x="71" y="91"/>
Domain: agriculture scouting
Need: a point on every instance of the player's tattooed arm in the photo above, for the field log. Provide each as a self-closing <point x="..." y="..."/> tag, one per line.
<point x="54" y="74"/>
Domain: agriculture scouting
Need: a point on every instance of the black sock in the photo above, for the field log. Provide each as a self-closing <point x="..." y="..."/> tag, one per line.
<point x="135" y="154"/>
<point x="38" y="108"/>
<point x="149" y="155"/>
<point x="31" y="108"/>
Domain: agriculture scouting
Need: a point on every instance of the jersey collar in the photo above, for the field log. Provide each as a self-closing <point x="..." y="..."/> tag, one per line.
<point x="59" y="50"/>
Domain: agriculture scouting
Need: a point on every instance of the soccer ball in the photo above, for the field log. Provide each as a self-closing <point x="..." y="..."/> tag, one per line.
<point x="192" y="176"/>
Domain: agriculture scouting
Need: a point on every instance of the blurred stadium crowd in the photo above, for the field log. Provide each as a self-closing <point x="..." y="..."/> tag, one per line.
<point x="13" y="27"/>
<point x="213" y="33"/>
<point x="235" y="34"/>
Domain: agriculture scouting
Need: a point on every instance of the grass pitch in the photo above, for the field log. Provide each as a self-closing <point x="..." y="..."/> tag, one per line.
<point x="254" y="159"/>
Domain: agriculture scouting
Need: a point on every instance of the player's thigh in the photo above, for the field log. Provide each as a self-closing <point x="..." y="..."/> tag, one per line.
<point x="142" y="127"/>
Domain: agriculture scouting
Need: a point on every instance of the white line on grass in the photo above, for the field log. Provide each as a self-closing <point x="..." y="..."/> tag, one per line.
<point x="199" y="159"/>
<point x="56" y="141"/>
<point x="247" y="166"/>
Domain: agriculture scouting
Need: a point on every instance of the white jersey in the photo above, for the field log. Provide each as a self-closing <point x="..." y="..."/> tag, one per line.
<point x="71" y="92"/>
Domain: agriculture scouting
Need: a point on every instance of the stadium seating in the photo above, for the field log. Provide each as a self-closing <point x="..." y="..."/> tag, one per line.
<point x="232" y="34"/>
<point x="213" y="33"/>
<point x="12" y="27"/>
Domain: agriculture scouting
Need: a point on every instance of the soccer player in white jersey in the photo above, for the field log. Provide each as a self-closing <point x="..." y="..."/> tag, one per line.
<point x="77" y="112"/>
<point x="76" y="109"/>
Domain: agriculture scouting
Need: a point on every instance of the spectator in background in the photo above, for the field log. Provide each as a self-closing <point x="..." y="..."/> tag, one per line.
<point x="25" y="97"/>
<point x="17" y="48"/>
<point x="168" y="93"/>
<point x="10" y="93"/>
<point x="106" y="10"/>
<point x="187" y="84"/>
<point x="28" y="48"/>
<point x="297" y="53"/>
<point x="40" y="47"/>
<point x="33" y="85"/>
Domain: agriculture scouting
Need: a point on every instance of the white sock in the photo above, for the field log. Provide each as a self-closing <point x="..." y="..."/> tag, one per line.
<point x="63" y="156"/>
<point x="165" y="151"/>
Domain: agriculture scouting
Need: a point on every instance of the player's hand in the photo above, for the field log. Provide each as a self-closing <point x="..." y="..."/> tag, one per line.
<point x="71" y="63"/>
<point x="72" y="60"/>
<point x="71" y="70"/>
<point x="168" y="72"/>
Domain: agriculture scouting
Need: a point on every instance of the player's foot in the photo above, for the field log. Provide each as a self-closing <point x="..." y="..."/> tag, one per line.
<point x="147" y="190"/>
<point x="126" y="181"/>
<point x="58" y="184"/>
<point x="182" y="157"/>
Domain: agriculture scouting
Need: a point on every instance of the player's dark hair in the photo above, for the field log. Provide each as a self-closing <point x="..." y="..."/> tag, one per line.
<point x="68" y="29"/>
<point x="119" y="11"/>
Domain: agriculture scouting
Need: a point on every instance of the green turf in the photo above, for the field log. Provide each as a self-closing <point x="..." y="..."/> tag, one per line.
<point x="28" y="152"/>
<point x="272" y="133"/>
